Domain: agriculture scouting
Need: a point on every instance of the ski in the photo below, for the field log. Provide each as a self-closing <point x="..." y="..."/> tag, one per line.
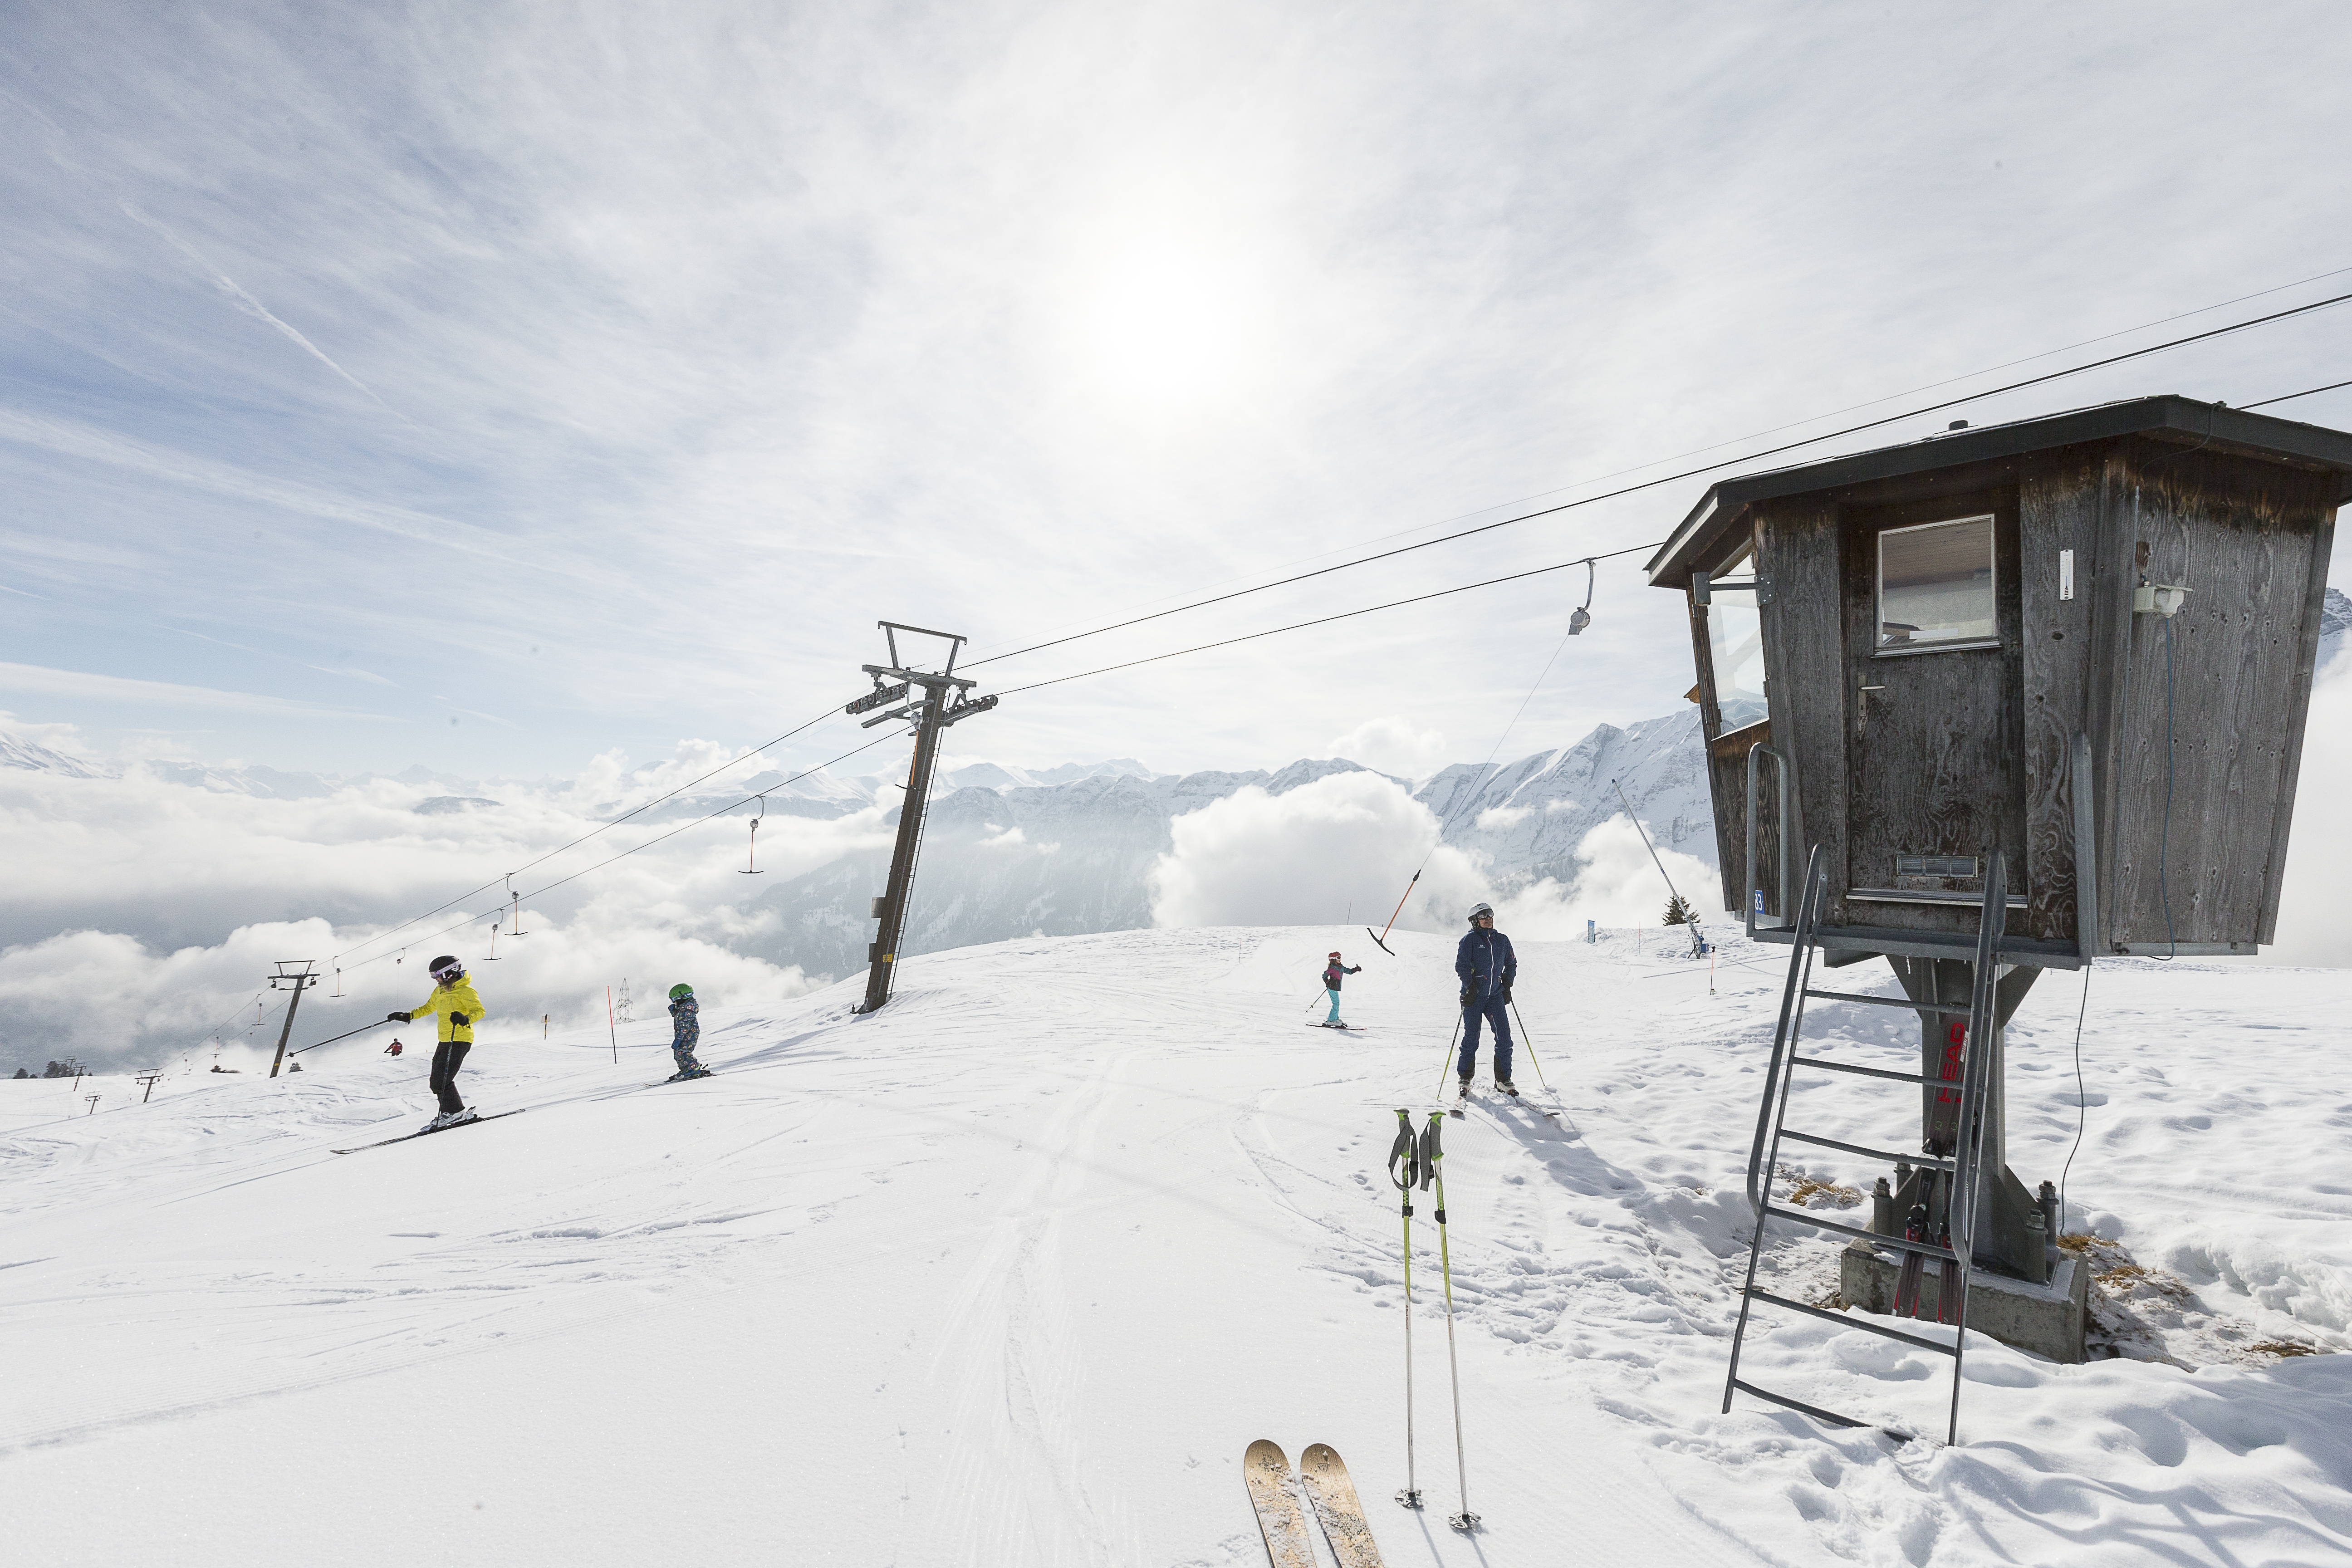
<point x="1267" y="1473"/>
<point x="681" y="1078"/>
<point x="430" y="1130"/>
<point x="1349" y="1029"/>
<point x="1906" y="1280"/>
<point x="1333" y="1496"/>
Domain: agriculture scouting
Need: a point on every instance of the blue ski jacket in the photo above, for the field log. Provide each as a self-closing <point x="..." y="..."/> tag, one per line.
<point x="686" y="1022"/>
<point x="1486" y="963"/>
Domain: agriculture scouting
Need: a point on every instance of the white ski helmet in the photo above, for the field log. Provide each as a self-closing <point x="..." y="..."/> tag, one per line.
<point x="1477" y="910"/>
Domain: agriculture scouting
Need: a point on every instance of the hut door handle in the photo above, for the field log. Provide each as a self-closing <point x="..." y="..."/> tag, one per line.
<point x="1874" y="688"/>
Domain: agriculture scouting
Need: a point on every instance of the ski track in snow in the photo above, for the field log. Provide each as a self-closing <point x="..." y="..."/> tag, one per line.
<point x="1013" y="1271"/>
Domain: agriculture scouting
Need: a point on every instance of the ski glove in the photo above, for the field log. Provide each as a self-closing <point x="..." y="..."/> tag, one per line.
<point x="458" y="1020"/>
<point x="1469" y="995"/>
<point x="1506" y="996"/>
<point x="398" y="1018"/>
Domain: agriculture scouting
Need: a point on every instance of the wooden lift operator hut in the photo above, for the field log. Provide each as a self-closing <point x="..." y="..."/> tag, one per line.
<point x="1946" y="677"/>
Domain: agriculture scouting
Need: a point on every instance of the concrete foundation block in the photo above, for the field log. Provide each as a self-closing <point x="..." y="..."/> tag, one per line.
<point x="2047" y="1320"/>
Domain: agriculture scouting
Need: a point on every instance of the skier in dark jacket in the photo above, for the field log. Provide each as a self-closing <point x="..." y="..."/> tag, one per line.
<point x="1487" y="966"/>
<point x="1332" y="973"/>
<point x="685" y="1033"/>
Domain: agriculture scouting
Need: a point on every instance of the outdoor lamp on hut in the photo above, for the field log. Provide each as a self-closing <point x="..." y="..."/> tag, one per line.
<point x="2068" y="657"/>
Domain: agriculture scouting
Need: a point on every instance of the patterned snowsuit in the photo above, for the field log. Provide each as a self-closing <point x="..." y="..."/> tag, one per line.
<point x="686" y="1022"/>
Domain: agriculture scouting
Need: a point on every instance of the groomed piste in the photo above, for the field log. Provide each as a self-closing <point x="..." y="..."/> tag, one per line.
<point x="1013" y="1271"/>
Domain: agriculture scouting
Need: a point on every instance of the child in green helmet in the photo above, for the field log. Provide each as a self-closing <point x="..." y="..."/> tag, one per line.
<point x="687" y="1026"/>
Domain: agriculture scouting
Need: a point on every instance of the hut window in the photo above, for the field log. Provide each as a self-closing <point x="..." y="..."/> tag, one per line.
<point x="1735" y="635"/>
<point x="1935" y="586"/>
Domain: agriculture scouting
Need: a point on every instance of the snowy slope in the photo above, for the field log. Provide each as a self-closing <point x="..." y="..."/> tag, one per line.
<point x="1013" y="1271"/>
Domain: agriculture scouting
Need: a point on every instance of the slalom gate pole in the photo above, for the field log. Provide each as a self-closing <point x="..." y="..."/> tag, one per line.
<point x="1530" y="1045"/>
<point x="609" y="1026"/>
<point x="1405" y="1151"/>
<point x="1432" y="1165"/>
<point x="1449" y="1056"/>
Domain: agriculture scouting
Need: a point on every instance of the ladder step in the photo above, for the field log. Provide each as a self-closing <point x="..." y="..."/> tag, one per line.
<point x="1923" y="1248"/>
<point x="1930" y="1162"/>
<point x="1961" y="1008"/>
<point x="1867" y="1072"/>
<point x="1845" y="1320"/>
<point x="1799" y="1406"/>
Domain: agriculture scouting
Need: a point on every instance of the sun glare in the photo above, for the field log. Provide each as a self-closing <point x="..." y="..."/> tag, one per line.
<point x="1165" y="327"/>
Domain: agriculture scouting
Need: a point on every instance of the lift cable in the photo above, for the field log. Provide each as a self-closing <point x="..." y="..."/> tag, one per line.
<point x="1325" y="620"/>
<point x="1381" y="938"/>
<point x="1809" y="419"/>
<point x="2291" y="396"/>
<point x="1682" y="474"/>
<point x="584" y="839"/>
<point x="601" y="865"/>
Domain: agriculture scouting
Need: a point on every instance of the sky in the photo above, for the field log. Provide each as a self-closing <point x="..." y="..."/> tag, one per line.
<point x="491" y="388"/>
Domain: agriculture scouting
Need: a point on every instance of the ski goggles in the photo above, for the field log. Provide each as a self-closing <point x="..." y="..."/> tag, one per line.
<point x="451" y="971"/>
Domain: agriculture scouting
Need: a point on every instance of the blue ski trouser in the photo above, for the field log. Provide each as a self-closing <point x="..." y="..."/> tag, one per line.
<point x="1492" y="1011"/>
<point x="1335" y="1006"/>
<point x="681" y="1051"/>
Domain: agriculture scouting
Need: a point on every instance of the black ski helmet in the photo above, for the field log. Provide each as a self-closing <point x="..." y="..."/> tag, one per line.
<point x="1477" y="910"/>
<point x="446" y="967"/>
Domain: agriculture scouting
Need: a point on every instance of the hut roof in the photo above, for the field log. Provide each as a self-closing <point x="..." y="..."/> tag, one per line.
<point x="2211" y="425"/>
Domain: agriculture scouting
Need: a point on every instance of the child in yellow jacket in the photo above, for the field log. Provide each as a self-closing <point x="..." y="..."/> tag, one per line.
<point x="456" y="1007"/>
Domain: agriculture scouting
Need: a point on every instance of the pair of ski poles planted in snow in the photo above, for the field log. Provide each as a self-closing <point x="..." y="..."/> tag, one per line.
<point x="1418" y="1161"/>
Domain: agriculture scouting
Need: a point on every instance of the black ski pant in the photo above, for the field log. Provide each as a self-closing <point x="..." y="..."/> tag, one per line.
<point x="448" y="1057"/>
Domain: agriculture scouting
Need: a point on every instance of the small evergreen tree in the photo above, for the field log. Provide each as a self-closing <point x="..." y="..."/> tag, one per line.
<point x="1678" y="910"/>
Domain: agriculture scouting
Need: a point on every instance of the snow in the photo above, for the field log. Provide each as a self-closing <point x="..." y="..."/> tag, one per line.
<point x="1014" y="1270"/>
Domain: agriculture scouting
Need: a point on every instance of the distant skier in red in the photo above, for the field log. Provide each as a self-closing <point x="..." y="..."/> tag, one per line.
<point x="1332" y="973"/>
<point x="454" y="1001"/>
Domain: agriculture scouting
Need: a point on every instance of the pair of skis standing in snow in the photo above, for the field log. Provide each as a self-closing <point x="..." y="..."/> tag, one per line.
<point x="456" y="1006"/>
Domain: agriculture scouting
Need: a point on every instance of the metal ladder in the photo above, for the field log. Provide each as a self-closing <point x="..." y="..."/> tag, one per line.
<point x="1965" y="1163"/>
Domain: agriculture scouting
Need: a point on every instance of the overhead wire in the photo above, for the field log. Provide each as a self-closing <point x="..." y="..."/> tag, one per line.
<point x="1681" y="475"/>
<point x="1325" y="620"/>
<point x="2290" y="397"/>
<point x="601" y="865"/>
<point x="1813" y="418"/>
<point x="584" y="838"/>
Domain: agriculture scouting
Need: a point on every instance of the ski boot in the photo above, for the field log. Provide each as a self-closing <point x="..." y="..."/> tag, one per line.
<point x="1508" y="1087"/>
<point x="440" y="1120"/>
<point x="462" y="1117"/>
<point x="1464" y="1092"/>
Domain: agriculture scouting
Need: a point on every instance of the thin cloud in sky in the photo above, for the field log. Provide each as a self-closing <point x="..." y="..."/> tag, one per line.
<point x="247" y="302"/>
<point x="84" y="687"/>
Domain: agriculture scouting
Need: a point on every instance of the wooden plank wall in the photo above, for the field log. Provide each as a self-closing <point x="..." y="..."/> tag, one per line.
<point x="1935" y="760"/>
<point x="2249" y="538"/>
<point x="1797" y="547"/>
<point x="1731" y="827"/>
<point x="2059" y="508"/>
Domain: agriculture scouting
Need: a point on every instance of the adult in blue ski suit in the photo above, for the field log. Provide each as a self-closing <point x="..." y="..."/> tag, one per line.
<point x="1487" y="966"/>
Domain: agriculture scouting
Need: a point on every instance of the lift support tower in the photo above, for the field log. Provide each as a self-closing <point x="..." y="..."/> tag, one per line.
<point x="943" y="701"/>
